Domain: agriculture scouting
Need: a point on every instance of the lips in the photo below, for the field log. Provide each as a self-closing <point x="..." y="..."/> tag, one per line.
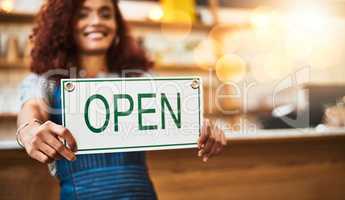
<point x="95" y="34"/>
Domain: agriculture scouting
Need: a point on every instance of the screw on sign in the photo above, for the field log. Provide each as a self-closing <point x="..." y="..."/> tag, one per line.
<point x="69" y="86"/>
<point x="195" y="84"/>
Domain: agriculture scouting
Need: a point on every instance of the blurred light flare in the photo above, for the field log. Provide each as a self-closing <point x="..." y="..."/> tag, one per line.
<point x="230" y="67"/>
<point x="7" y="5"/>
<point x="203" y="54"/>
<point x="301" y="35"/>
<point x="263" y="17"/>
<point x="311" y="19"/>
<point x="156" y="13"/>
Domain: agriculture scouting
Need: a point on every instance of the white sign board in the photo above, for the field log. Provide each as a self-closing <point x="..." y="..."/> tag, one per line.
<point x="132" y="114"/>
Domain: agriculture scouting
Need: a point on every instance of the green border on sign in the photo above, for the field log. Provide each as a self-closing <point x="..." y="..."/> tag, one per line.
<point x="63" y="81"/>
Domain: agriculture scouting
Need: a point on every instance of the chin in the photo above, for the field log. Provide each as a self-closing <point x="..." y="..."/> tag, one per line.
<point x="95" y="50"/>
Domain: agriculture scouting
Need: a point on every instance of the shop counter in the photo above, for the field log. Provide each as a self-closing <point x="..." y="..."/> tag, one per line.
<point x="274" y="164"/>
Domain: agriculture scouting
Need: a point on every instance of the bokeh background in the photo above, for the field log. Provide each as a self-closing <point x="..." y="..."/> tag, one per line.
<point x="271" y="69"/>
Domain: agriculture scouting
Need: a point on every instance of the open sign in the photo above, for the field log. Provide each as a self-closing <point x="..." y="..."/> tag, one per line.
<point x="132" y="114"/>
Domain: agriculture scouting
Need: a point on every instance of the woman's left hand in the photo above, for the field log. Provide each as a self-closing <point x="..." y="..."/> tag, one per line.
<point x="211" y="140"/>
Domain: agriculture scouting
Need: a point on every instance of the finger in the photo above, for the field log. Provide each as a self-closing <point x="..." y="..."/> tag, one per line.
<point x="224" y="140"/>
<point x="65" y="134"/>
<point x="215" y="147"/>
<point x="204" y="134"/>
<point x="219" y="142"/>
<point x="49" y="151"/>
<point x="201" y="136"/>
<point x="208" y="146"/>
<point x="41" y="157"/>
<point x="221" y="134"/>
<point x="200" y="153"/>
<point x="52" y="141"/>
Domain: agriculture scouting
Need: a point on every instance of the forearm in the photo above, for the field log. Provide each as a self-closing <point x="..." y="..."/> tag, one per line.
<point x="33" y="109"/>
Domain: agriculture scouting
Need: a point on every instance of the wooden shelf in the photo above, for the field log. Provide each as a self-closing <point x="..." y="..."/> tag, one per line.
<point x="178" y="67"/>
<point x="167" y="26"/>
<point x="8" y="115"/>
<point x="28" y="18"/>
<point x="165" y="67"/>
<point x="13" y="66"/>
<point x="25" y="18"/>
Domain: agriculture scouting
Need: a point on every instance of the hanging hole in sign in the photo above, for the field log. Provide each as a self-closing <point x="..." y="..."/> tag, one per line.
<point x="195" y="84"/>
<point x="69" y="86"/>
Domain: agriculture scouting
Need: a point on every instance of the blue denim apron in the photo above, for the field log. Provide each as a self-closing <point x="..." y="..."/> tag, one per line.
<point x="122" y="176"/>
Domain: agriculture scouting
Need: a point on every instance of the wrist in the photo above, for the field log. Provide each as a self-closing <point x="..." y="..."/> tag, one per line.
<point x="35" y="123"/>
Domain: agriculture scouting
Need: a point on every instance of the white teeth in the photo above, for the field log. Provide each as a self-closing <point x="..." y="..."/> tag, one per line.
<point x="95" y="35"/>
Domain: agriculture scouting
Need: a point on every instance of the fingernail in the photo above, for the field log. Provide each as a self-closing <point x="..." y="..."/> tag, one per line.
<point x="205" y="159"/>
<point x="200" y="153"/>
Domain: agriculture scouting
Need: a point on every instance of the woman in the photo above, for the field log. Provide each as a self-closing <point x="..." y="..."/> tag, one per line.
<point x="89" y="37"/>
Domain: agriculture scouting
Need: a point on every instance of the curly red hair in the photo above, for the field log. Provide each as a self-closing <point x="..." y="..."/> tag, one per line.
<point x="54" y="46"/>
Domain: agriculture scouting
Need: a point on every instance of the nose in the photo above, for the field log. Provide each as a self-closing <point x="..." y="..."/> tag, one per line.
<point x="95" y="19"/>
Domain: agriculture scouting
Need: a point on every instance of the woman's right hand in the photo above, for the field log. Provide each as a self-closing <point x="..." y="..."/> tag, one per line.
<point x="43" y="142"/>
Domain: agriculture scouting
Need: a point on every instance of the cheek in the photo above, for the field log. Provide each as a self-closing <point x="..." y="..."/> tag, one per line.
<point x="78" y="33"/>
<point x="113" y="29"/>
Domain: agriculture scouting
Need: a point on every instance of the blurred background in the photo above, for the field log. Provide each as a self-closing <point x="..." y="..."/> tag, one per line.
<point x="246" y="51"/>
<point x="270" y="69"/>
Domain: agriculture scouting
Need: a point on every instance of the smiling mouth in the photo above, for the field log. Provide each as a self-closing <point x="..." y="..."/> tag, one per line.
<point x="95" y="35"/>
